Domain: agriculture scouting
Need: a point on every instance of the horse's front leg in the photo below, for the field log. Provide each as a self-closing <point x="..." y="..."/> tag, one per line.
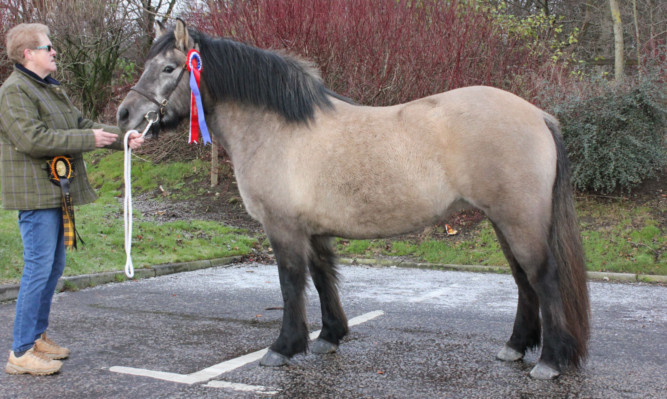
<point x="293" y="336"/>
<point x="322" y="266"/>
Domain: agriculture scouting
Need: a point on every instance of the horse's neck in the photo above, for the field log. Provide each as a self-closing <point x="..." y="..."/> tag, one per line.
<point x="243" y="130"/>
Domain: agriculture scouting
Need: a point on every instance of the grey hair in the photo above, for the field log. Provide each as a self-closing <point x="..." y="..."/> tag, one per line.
<point x="23" y="36"/>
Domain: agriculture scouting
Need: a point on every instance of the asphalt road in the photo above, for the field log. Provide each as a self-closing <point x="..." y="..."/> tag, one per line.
<point x="420" y="334"/>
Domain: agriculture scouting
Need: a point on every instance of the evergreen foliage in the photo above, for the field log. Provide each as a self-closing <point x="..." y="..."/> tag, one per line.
<point x="616" y="140"/>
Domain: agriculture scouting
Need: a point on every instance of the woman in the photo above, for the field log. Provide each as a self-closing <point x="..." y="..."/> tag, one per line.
<point x="38" y="125"/>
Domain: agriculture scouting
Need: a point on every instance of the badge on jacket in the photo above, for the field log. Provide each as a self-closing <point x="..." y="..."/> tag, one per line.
<point x="60" y="167"/>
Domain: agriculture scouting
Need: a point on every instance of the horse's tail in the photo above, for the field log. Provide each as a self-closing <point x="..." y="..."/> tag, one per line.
<point x="565" y="244"/>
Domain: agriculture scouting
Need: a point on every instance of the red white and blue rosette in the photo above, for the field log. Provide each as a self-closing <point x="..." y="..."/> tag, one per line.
<point x="197" y="121"/>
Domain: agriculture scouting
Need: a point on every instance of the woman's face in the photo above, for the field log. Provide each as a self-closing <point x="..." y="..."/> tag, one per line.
<point x="41" y="60"/>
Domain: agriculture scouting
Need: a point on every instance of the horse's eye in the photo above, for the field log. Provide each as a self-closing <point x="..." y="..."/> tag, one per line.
<point x="168" y="69"/>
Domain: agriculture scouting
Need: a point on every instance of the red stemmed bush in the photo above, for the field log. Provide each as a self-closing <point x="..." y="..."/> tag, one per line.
<point x="381" y="52"/>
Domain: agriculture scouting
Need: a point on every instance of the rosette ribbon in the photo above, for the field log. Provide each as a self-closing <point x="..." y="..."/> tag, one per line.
<point x="197" y="121"/>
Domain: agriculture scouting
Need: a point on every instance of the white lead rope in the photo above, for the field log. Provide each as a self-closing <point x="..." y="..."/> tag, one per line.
<point x="127" y="205"/>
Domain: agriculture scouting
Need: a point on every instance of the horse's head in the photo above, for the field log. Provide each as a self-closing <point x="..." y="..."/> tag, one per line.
<point x="163" y="87"/>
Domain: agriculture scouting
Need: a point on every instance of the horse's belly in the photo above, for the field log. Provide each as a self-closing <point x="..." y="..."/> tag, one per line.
<point x="376" y="211"/>
<point x="360" y="188"/>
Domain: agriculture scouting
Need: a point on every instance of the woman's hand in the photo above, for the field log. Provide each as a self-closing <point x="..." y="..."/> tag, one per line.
<point x="135" y="140"/>
<point x="103" y="139"/>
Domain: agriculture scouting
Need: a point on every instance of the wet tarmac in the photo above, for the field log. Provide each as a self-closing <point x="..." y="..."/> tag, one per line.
<point x="420" y="334"/>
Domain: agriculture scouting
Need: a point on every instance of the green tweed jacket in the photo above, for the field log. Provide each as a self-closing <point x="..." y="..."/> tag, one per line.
<point x="37" y="122"/>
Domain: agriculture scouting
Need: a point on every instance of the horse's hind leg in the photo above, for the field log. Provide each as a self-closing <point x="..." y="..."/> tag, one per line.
<point x="322" y="264"/>
<point x="534" y="258"/>
<point x="291" y="256"/>
<point x="526" y="332"/>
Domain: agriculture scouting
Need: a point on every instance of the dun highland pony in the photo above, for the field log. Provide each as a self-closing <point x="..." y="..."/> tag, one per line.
<point x="311" y="165"/>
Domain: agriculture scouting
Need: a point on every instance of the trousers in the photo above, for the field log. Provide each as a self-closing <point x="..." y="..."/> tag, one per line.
<point x="44" y="262"/>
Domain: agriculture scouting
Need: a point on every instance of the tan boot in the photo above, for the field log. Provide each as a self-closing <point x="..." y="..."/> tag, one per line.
<point x="50" y="348"/>
<point x="32" y="362"/>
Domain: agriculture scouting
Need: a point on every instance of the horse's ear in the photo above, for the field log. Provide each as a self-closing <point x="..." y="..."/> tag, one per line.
<point x="183" y="40"/>
<point x="159" y="29"/>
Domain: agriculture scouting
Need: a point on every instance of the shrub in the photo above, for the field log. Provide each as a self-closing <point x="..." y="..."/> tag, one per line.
<point x="616" y="140"/>
<point x="5" y="65"/>
<point x="381" y="52"/>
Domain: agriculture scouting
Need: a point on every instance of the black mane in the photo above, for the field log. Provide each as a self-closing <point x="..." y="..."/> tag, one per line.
<point x="239" y="72"/>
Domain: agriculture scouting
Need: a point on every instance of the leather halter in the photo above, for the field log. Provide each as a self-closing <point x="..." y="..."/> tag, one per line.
<point x="162" y="104"/>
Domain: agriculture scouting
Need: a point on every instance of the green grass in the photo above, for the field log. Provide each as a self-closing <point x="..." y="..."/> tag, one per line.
<point x="101" y="224"/>
<point x="482" y="249"/>
<point x="618" y="235"/>
<point x="629" y="241"/>
<point x="106" y="174"/>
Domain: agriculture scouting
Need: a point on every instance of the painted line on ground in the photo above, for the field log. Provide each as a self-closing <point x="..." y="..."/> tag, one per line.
<point x="241" y="387"/>
<point x="226" y="366"/>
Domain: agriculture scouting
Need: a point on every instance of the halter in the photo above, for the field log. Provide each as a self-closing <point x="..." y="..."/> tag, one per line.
<point x="162" y="104"/>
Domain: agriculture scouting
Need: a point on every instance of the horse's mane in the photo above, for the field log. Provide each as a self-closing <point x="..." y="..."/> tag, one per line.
<point x="235" y="71"/>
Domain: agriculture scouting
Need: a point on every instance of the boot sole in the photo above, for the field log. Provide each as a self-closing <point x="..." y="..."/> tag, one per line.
<point x="54" y="356"/>
<point x="13" y="369"/>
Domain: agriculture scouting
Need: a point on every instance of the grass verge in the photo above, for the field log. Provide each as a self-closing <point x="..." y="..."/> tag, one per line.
<point x="618" y="235"/>
<point x="101" y="225"/>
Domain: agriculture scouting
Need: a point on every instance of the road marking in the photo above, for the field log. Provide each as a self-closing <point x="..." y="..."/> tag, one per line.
<point x="227" y="366"/>
<point x="240" y="387"/>
<point x="158" y="375"/>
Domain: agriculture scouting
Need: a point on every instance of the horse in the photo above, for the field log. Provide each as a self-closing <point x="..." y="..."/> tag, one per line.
<point x="312" y="165"/>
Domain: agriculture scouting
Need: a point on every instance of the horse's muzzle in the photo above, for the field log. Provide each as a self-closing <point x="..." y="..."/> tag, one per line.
<point x="123" y="118"/>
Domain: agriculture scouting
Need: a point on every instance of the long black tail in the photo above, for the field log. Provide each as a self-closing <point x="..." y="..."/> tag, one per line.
<point x="565" y="243"/>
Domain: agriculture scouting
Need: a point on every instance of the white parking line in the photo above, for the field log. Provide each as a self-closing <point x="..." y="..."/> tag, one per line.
<point x="240" y="387"/>
<point x="226" y="366"/>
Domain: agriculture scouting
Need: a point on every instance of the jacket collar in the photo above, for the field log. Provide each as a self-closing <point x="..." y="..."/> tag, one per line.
<point x="47" y="80"/>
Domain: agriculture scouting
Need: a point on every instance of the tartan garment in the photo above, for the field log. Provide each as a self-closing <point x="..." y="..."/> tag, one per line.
<point x="68" y="223"/>
<point x="38" y="122"/>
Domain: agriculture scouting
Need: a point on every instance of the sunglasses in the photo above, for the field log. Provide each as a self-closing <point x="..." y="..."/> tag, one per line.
<point x="47" y="47"/>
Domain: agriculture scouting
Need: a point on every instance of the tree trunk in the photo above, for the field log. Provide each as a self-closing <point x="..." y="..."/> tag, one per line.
<point x="167" y="15"/>
<point x="618" y="40"/>
<point x="637" y="39"/>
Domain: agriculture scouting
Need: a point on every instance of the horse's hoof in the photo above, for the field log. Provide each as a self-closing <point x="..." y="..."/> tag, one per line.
<point x="508" y="354"/>
<point x="323" y="347"/>
<point x="542" y="371"/>
<point x="273" y="359"/>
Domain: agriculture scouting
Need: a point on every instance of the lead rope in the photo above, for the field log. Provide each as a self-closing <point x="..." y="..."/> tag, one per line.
<point x="127" y="203"/>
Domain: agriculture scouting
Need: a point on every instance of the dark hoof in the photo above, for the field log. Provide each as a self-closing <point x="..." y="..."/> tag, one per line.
<point x="273" y="359"/>
<point x="323" y="347"/>
<point x="542" y="371"/>
<point x="508" y="354"/>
